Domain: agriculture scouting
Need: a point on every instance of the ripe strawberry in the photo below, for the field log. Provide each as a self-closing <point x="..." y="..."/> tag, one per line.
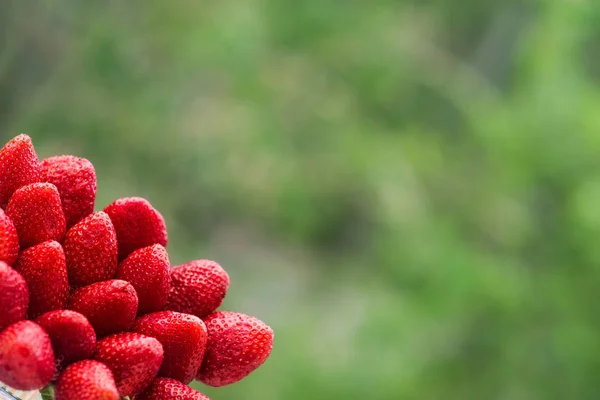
<point x="110" y="306"/>
<point x="170" y="389"/>
<point x="137" y="223"/>
<point x="147" y="269"/>
<point x="197" y="287"/>
<point x="19" y="166"/>
<point x="37" y="214"/>
<point x="134" y="360"/>
<point x="73" y="337"/>
<point x="44" y="268"/>
<point x="86" y="380"/>
<point x="14" y="296"/>
<point x="91" y="250"/>
<point x="9" y="241"/>
<point x="183" y="338"/>
<point x="237" y="345"/>
<point x="26" y="357"/>
<point x="75" y="179"/>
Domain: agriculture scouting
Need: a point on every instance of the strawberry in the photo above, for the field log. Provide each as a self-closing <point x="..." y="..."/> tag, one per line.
<point x="14" y="296"/>
<point x="73" y="337"/>
<point x="237" y="345"/>
<point x="9" y="241"/>
<point x="137" y="223"/>
<point x="170" y="389"/>
<point x="86" y="380"/>
<point x="75" y="179"/>
<point x="183" y="338"/>
<point x="26" y="357"/>
<point x="19" y="166"/>
<point x="44" y="268"/>
<point x="147" y="269"/>
<point x="134" y="360"/>
<point x="91" y="250"/>
<point x="197" y="287"/>
<point x="37" y="214"/>
<point x="110" y="306"/>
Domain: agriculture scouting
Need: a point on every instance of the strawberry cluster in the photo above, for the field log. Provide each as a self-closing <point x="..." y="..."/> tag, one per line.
<point x="89" y="301"/>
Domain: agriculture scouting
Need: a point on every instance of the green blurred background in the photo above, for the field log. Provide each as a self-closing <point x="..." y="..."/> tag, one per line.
<point x="407" y="191"/>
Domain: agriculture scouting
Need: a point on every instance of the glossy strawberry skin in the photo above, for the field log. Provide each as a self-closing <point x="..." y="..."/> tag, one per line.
<point x="14" y="296"/>
<point x="170" y="389"/>
<point x="237" y="345"/>
<point x="37" y="214"/>
<point x="183" y="338"/>
<point x="197" y="287"/>
<point x="91" y="250"/>
<point x="26" y="356"/>
<point x="19" y="166"/>
<point x="75" y="179"/>
<point x="147" y="269"/>
<point x="9" y="241"/>
<point x="73" y="337"/>
<point x="133" y="358"/>
<point x="137" y="223"/>
<point x="86" y="380"/>
<point x="110" y="306"/>
<point x="44" y="268"/>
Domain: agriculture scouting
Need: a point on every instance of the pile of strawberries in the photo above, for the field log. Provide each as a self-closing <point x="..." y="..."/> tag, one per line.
<point x="89" y="301"/>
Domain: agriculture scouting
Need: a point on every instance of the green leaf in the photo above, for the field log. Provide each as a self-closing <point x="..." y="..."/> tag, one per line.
<point x="47" y="393"/>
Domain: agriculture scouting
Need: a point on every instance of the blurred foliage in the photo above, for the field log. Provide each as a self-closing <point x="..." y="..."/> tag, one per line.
<point x="407" y="191"/>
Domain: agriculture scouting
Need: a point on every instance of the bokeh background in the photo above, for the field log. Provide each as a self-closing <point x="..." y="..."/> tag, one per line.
<point x="407" y="191"/>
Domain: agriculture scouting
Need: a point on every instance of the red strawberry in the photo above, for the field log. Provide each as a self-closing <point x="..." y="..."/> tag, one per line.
<point x="110" y="306"/>
<point x="197" y="287"/>
<point x="14" y="296"/>
<point x="170" y="389"/>
<point x="183" y="338"/>
<point x="147" y="269"/>
<point x="91" y="250"/>
<point x="237" y="345"/>
<point x="26" y="357"/>
<point x="134" y="360"/>
<point x="137" y="223"/>
<point x="37" y="214"/>
<point x="44" y="268"/>
<point x="73" y="337"/>
<point x="19" y="166"/>
<point x="86" y="380"/>
<point x="75" y="179"/>
<point x="9" y="241"/>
